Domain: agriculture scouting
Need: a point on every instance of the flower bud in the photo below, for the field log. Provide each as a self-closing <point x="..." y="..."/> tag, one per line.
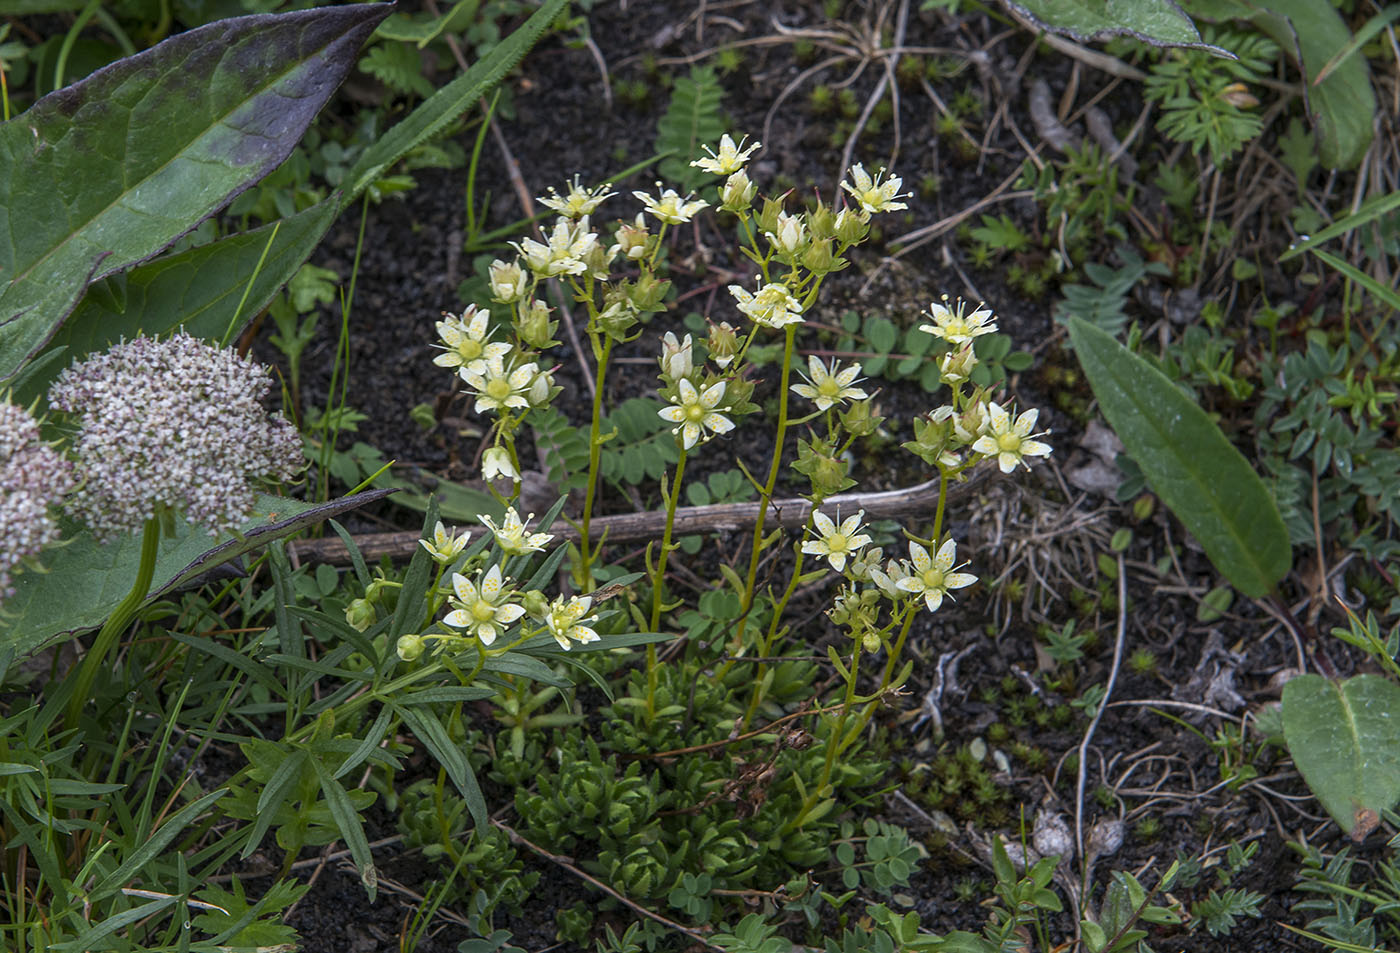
<point x="647" y="292"/>
<point x="632" y="240"/>
<point x="859" y="421"/>
<point x="410" y="647"/>
<point x="958" y="364"/>
<point x="536" y="603"/>
<point x="789" y="236"/>
<point x="738" y="192"/>
<point x="359" y="614"/>
<point x="597" y="261"/>
<point x="818" y="258"/>
<point x="533" y="325"/>
<point x="768" y="218"/>
<point x="822" y="222"/>
<point x="541" y="389"/>
<point x="723" y="344"/>
<point x="496" y="463"/>
<point x="850" y="229"/>
<point x="508" y="281"/>
<point x="676" y="359"/>
<point x="618" y="319"/>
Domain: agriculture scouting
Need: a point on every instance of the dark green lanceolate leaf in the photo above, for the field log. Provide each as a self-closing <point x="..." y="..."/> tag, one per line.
<point x="111" y="170"/>
<point x="199" y="289"/>
<point x="443" y="107"/>
<point x="1343" y="106"/>
<point x="1345" y="740"/>
<point x="44" y="607"/>
<point x="1188" y="463"/>
<point x="1159" y="22"/>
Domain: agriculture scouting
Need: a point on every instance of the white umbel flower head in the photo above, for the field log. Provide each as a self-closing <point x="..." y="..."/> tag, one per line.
<point x="1011" y="442"/>
<point x="33" y="477"/>
<point x="873" y="195"/>
<point x="695" y="412"/>
<point x="828" y="387"/>
<point x="567" y="620"/>
<point x="481" y="606"/>
<point x="729" y="159"/>
<point x="955" y="325"/>
<point x="176" y="423"/>
<point x="773" y="306"/>
<point x="931" y="576"/>
<point x="512" y="537"/>
<point x="836" y="543"/>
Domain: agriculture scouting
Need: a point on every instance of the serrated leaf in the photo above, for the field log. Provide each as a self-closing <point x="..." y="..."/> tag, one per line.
<point x="216" y="108"/>
<point x="1188" y="463"/>
<point x="1158" y="22"/>
<point x="1345" y="741"/>
<point x="43" y="609"/>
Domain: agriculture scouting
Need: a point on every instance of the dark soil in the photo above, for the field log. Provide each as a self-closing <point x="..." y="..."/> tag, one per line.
<point x="1147" y="761"/>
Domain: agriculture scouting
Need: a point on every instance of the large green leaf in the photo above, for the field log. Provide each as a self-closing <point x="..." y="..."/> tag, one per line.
<point x="1159" y="22"/>
<point x="84" y="580"/>
<point x="1343" y="106"/>
<point x="111" y="170"/>
<point x="439" y="110"/>
<point x="1345" y="740"/>
<point x="1188" y="463"/>
<point x="199" y="288"/>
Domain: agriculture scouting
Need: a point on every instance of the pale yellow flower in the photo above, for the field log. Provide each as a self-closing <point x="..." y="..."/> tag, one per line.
<point x="872" y="194"/>
<point x="1011" y="442"/>
<point x="446" y="545"/>
<point x="566" y="621"/>
<point x="957" y="326"/>
<point x="729" y="159"/>
<point x="579" y="201"/>
<point x="497" y="388"/>
<point x="464" y="338"/>
<point x="512" y="537"/>
<point x="480" y="606"/>
<point x="670" y="207"/>
<point x="773" y="306"/>
<point x="568" y="244"/>
<point x="836" y="543"/>
<point x="695" y="412"/>
<point x="496" y="463"/>
<point x="932" y="576"/>
<point x="829" y="386"/>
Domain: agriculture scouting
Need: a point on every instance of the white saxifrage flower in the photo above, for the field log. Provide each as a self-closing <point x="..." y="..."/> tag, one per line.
<point x="670" y="208"/>
<point x="695" y="412"/>
<point x="957" y="326"/>
<point x="496" y="388"/>
<point x="465" y="338"/>
<point x="176" y="423"/>
<point x="729" y="159"/>
<point x="873" y="195"/>
<point x="836" y="543"/>
<point x="509" y="282"/>
<point x="828" y="387"/>
<point x="481" y="607"/>
<point x="568" y="244"/>
<point x="512" y="537"/>
<point x="773" y="306"/>
<point x="1011" y="442"/>
<point x="931" y="576"/>
<point x="446" y="545"/>
<point x="579" y="201"/>
<point x="33" y="477"/>
<point x="567" y="620"/>
<point x="676" y="356"/>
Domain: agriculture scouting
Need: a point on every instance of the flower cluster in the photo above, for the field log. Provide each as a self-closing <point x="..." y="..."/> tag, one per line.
<point x="33" y="478"/>
<point x="176" y="423"/>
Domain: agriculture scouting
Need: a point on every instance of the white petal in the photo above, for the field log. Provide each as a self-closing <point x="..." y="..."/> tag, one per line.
<point x="673" y="413"/>
<point x="824" y="523"/>
<point x="919" y="556"/>
<point x="718" y="423"/>
<point x="458" y="619"/>
<point x="946" y="554"/>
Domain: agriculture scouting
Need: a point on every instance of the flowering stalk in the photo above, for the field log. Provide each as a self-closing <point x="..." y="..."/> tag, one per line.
<point x="658" y="579"/>
<point x="116" y="623"/>
<point x="586" y="553"/>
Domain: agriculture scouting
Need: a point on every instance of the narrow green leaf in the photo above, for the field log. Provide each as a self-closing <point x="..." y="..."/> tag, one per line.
<point x="111" y="170"/>
<point x="352" y="829"/>
<point x="1345" y="741"/>
<point x="159" y="840"/>
<point x="1385" y="295"/>
<point x="43" y="609"/>
<point x="428" y="729"/>
<point x="88" y="939"/>
<point x="1368" y="212"/>
<point x="1188" y="463"/>
<point x="444" y="106"/>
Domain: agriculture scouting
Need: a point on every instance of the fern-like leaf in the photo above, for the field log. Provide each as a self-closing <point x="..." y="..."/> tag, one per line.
<point x="397" y="66"/>
<point x="691" y="120"/>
